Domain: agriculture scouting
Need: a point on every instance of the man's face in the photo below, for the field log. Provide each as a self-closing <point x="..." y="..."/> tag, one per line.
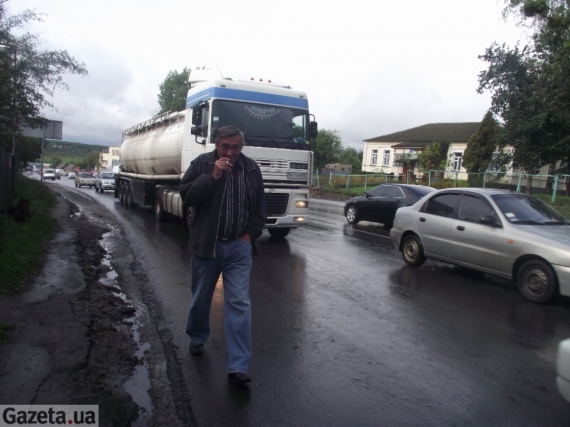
<point x="229" y="148"/>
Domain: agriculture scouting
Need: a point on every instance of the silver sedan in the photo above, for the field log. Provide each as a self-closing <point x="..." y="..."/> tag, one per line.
<point x="499" y="232"/>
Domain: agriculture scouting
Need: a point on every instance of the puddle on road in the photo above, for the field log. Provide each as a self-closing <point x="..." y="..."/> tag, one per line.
<point x="139" y="383"/>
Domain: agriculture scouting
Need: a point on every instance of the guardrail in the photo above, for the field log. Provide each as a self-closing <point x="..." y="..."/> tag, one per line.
<point x="549" y="184"/>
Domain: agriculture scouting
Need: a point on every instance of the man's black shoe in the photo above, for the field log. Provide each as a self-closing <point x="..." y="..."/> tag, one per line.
<point x="196" y="349"/>
<point x="239" y="377"/>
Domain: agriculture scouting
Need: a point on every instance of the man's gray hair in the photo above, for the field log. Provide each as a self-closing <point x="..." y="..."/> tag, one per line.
<point x="228" y="132"/>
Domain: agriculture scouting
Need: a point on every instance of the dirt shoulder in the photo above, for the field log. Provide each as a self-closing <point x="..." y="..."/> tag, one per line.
<point x="72" y="342"/>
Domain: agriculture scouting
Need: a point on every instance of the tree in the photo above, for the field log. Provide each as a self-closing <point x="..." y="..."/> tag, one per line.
<point x="481" y="146"/>
<point x="91" y="160"/>
<point x="327" y="148"/>
<point x="28" y="76"/>
<point x="173" y="91"/>
<point x="529" y="85"/>
<point x="434" y="157"/>
<point x="354" y="157"/>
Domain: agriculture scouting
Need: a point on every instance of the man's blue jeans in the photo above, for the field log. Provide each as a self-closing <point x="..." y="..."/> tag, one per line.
<point x="233" y="260"/>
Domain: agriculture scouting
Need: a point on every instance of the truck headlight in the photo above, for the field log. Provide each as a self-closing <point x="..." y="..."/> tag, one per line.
<point x="301" y="204"/>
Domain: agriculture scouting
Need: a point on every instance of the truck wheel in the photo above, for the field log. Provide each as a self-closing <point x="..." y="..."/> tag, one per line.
<point x="159" y="213"/>
<point x="279" y="232"/>
<point x="129" y="195"/>
<point x="122" y="193"/>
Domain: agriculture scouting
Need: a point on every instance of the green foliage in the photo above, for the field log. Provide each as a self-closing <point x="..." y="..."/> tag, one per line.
<point x="91" y="160"/>
<point x="28" y="148"/>
<point x="22" y="245"/>
<point x="434" y="157"/>
<point x="173" y="90"/>
<point x="529" y="85"/>
<point x="327" y="148"/>
<point x="28" y="75"/>
<point x="479" y="152"/>
<point x="354" y="157"/>
<point x="56" y="152"/>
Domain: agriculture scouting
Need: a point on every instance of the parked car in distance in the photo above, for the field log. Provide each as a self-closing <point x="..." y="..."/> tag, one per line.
<point x="498" y="232"/>
<point x="71" y="175"/>
<point x="105" y="181"/>
<point x="381" y="203"/>
<point x="84" y="178"/>
<point x="49" y="174"/>
<point x="563" y="369"/>
<point x="59" y="173"/>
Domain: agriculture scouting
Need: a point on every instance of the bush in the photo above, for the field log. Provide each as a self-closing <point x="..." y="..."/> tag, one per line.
<point x="22" y="244"/>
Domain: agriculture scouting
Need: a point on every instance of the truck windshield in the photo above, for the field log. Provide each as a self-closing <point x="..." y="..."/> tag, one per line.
<point x="264" y="125"/>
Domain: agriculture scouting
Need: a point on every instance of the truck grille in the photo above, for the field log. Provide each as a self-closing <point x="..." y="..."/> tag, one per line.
<point x="272" y="163"/>
<point x="276" y="203"/>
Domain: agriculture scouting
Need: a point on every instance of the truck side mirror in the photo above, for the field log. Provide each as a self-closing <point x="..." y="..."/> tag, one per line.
<point x="196" y="116"/>
<point x="313" y="130"/>
<point x="196" y="130"/>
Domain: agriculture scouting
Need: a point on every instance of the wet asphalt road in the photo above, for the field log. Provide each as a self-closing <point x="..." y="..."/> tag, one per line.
<point x="346" y="334"/>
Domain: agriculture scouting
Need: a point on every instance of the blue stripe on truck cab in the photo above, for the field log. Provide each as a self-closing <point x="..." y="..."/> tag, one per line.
<point x="246" y="95"/>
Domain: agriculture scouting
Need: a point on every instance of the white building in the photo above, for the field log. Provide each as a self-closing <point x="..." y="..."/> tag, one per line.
<point x="397" y="153"/>
<point x="109" y="157"/>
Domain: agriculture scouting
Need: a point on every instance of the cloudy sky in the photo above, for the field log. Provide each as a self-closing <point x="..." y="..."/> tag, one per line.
<point x="369" y="67"/>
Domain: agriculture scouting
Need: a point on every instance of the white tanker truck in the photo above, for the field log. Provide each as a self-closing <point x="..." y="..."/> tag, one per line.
<point x="276" y="124"/>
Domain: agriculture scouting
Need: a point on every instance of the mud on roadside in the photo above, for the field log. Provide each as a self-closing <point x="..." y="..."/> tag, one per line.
<point x="73" y="341"/>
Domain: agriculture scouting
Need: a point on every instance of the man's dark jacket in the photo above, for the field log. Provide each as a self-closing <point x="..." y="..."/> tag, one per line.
<point x="201" y="191"/>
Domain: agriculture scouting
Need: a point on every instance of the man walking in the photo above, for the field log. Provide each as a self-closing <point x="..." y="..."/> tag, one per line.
<point x="225" y="189"/>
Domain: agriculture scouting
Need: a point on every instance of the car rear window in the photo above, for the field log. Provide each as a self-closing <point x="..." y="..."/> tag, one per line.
<point x="420" y="190"/>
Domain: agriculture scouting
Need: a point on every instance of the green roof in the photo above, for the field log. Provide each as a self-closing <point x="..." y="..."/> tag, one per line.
<point x="425" y="135"/>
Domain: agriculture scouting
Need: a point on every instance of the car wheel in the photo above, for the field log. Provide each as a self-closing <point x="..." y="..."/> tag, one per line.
<point x="413" y="251"/>
<point x="352" y="214"/>
<point x="278" y="232"/>
<point x="159" y="213"/>
<point x="536" y="281"/>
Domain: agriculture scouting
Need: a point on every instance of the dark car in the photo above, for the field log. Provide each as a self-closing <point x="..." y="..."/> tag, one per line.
<point x="381" y="203"/>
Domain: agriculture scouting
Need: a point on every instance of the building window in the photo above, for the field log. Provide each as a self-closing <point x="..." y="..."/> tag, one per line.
<point x="374" y="160"/>
<point x="457" y="157"/>
<point x="386" y="158"/>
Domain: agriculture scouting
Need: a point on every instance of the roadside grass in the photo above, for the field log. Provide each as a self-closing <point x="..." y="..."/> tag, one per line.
<point x="24" y="244"/>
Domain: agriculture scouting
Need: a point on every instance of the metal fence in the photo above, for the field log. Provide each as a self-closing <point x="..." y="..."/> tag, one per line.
<point x="8" y="176"/>
<point x="547" y="184"/>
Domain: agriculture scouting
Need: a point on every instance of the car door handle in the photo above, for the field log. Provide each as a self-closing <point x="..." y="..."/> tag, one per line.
<point x="422" y="219"/>
<point x="460" y="228"/>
